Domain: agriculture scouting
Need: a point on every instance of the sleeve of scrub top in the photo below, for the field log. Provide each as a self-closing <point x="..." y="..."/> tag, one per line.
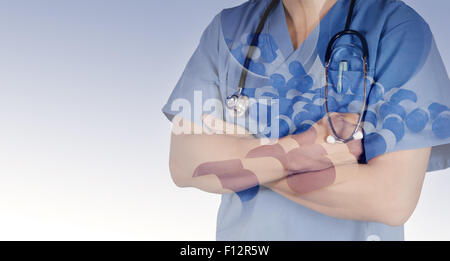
<point x="197" y="91"/>
<point x="410" y="98"/>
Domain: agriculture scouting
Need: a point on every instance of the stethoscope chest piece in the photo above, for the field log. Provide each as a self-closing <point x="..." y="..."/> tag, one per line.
<point x="238" y="104"/>
<point x="331" y="139"/>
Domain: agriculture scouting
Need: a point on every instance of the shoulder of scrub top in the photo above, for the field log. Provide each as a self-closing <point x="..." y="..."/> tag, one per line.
<point x="404" y="37"/>
<point x="393" y="13"/>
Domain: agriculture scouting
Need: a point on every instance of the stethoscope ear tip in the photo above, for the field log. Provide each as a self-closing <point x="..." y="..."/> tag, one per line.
<point x="333" y="140"/>
<point x="358" y="135"/>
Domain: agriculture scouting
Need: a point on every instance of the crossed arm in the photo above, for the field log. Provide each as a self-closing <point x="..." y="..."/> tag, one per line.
<point x="303" y="168"/>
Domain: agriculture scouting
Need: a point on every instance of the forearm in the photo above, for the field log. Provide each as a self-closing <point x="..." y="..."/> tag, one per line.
<point x="385" y="190"/>
<point x="224" y="164"/>
<point x="344" y="197"/>
<point x="217" y="163"/>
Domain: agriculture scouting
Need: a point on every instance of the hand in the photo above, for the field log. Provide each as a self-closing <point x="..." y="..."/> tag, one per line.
<point x="310" y="162"/>
<point x="308" y="151"/>
<point x="298" y="163"/>
<point x="304" y="152"/>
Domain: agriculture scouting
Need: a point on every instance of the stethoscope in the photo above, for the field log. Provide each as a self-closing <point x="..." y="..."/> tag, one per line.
<point x="239" y="103"/>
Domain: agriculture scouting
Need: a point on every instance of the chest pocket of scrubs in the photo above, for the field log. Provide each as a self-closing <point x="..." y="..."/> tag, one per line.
<point x="346" y="79"/>
<point x="346" y="91"/>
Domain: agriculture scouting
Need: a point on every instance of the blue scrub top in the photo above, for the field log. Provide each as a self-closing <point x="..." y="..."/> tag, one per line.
<point x="407" y="105"/>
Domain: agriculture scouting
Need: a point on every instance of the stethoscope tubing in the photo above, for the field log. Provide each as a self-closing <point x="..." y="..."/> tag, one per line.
<point x="346" y="31"/>
<point x="328" y="53"/>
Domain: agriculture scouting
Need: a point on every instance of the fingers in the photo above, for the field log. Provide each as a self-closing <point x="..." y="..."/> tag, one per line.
<point x="356" y="148"/>
<point x="308" y="158"/>
<point x="310" y="136"/>
<point x="311" y="181"/>
<point x="343" y="123"/>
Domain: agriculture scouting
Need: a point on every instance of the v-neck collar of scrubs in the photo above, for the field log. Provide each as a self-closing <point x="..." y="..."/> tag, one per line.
<point x="277" y="27"/>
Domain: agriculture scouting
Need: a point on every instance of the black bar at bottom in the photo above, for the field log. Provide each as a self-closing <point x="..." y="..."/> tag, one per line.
<point x="216" y="250"/>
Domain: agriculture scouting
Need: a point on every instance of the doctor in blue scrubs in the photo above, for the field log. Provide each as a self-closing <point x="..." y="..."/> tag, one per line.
<point x="406" y="121"/>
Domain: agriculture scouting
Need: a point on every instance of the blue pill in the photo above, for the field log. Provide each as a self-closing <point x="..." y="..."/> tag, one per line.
<point x="395" y="125"/>
<point x="284" y="128"/>
<point x="402" y="95"/>
<point x="435" y="109"/>
<point x="308" y="82"/>
<point x="391" y="108"/>
<point x="299" y="83"/>
<point x="296" y="69"/>
<point x="301" y="98"/>
<point x="277" y="80"/>
<point x="441" y="126"/>
<point x="417" y="120"/>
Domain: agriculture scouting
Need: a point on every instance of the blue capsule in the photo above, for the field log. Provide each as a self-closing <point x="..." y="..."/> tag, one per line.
<point x="391" y="108"/>
<point x="277" y="80"/>
<point x="441" y="126"/>
<point x="402" y="95"/>
<point x="303" y="83"/>
<point x="296" y="69"/>
<point x="417" y="120"/>
<point x="435" y="109"/>
<point x="395" y="125"/>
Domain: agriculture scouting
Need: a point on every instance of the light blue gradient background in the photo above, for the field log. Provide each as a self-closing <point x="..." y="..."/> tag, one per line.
<point x="83" y="143"/>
